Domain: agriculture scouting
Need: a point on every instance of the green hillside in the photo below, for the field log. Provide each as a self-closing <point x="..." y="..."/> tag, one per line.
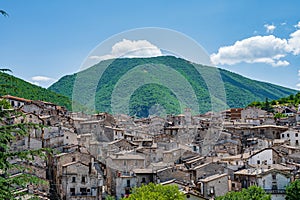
<point x="20" y="88"/>
<point x="240" y="91"/>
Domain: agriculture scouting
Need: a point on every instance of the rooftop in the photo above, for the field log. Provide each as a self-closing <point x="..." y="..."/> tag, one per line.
<point x="127" y="157"/>
<point x="213" y="177"/>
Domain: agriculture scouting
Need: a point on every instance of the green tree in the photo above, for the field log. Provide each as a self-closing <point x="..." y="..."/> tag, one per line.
<point x="293" y="191"/>
<point x="156" y="191"/>
<point x="267" y="107"/>
<point x="109" y="197"/>
<point x="279" y="115"/>
<point x="253" y="193"/>
<point x="8" y="133"/>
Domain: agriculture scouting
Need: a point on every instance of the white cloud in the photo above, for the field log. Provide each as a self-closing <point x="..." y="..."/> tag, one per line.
<point x="269" y="28"/>
<point x="297" y="25"/>
<point x="283" y="23"/>
<point x="131" y="49"/>
<point x="294" y="43"/>
<point x="41" y="78"/>
<point x="42" y="81"/>
<point x="257" y="49"/>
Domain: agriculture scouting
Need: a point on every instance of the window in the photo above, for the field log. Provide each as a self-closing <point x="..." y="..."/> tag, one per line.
<point x="274" y="176"/>
<point x="67" y="137"/>
<point x="282" y="135"/>
<point x="143" y="180"/>
<point x="212" y="190"/>
<point x="296" y="134"/>
<point x="297" y="142"/>
<point x="72" y="191"/>
<point x="83" y="191"/>
<point x="73" y="159"/>
<point x="83" y="179"/>
<point x="73" y="179"/>
<point x="128" y="183"/>
<point x="288" y="135"/>
<point x="258" y="162"/>
<point x="233" y="185"/>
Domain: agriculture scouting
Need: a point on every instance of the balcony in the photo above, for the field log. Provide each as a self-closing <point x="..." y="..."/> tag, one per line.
<point x="275" y="191"/>
<point x="88" y="194"/>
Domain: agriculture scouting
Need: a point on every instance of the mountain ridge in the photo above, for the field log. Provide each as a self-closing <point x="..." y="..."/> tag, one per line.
<point x="15" y="86"/>
<point x="240" y="90"/>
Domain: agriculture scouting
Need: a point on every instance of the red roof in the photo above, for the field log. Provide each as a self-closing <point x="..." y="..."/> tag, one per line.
<point x="16" y="98"/>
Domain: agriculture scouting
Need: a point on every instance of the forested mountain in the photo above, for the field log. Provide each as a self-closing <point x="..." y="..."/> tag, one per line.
<point x="17" y="87"/>
<point x="240" y="91"/>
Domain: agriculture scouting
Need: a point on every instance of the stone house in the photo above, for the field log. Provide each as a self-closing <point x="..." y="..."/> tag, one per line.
<point x="16" y="102"/>
<point x="124" y="182"/>
<point x="76" y="175"/>
<point x="120" y="145"/>
<point x="144" y="176"/>
<point x="80" y="180"/>
<point x="213" y="186"/>
<point x="252" y="113"/>
<point x="207" y="169"/>
<point x="125" y="162"/>
<point x="227" y="147"/>
<point x="292" y="136"/>
<point x="120" y="169"/>
<point x="266" y="156"/>
<point x="269" y="131"/>
<point x="69" y="137"/>
<point x="173" y="172"/>
<point x="272" y="180"/>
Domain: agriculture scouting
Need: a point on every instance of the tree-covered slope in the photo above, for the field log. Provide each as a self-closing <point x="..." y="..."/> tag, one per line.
<point x="17" y="87"/>
<point x="130" y="72"/>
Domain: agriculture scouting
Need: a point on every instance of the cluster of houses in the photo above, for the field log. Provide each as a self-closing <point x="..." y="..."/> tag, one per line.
<point x="204" y="155"/>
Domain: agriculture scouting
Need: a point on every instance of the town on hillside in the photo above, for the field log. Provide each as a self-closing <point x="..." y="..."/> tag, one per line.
<point x="206" y="156"/>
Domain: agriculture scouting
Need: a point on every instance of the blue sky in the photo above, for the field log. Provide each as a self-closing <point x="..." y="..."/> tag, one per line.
<point x="42" y="41"/>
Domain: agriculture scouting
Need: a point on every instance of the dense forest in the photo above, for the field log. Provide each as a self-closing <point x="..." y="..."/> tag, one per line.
<point x="20" y="88"/>
<point x="290" y="100"/>
<point x="240" y="91"/>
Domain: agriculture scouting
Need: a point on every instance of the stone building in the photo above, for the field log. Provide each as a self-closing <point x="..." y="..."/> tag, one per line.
<point x="213" y="186"/>
<point x="78" y="175"/>
<point x="272" y="180"/>
<point x="266" y="156"/>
